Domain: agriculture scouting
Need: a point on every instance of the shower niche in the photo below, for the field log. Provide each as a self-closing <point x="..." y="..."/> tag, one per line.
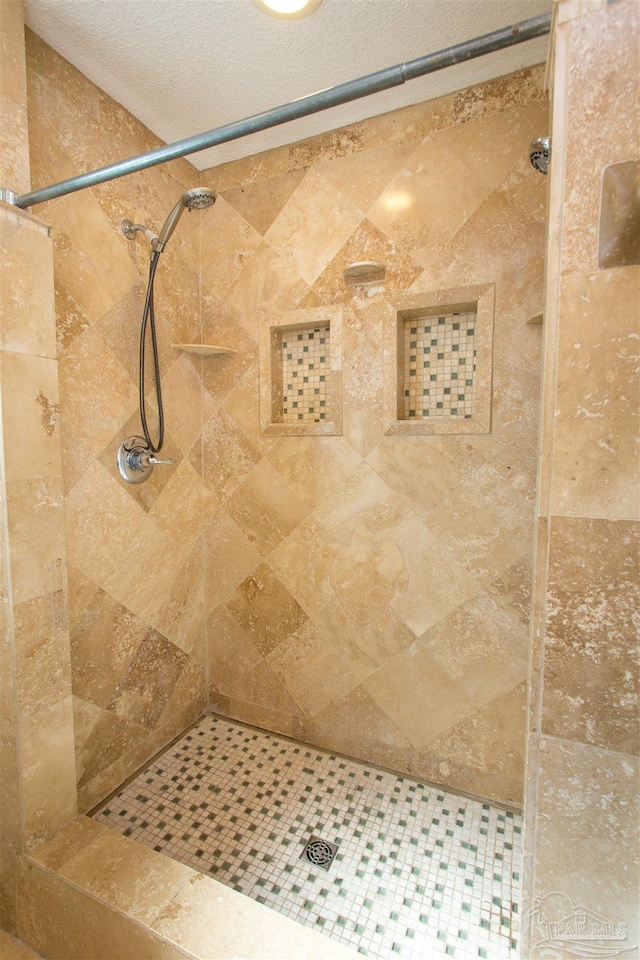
<point x="301" y="373"/>
<point x="438" y="371"/>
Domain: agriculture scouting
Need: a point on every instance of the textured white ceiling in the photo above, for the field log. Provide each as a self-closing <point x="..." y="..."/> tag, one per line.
<point x="185" y="66"/>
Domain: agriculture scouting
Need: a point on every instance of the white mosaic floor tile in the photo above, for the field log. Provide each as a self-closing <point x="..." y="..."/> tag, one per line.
<point x="419" y="872"/>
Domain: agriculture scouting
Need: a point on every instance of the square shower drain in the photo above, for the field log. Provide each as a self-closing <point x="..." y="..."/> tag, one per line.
<point x="319" y="852"/>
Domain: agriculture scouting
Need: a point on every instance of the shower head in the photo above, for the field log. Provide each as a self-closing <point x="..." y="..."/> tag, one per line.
<point x="540" y="153"/>
<point x="199" y="198"/>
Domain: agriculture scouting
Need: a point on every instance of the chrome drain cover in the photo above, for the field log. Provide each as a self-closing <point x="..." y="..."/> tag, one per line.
<point x="319" y="852"/>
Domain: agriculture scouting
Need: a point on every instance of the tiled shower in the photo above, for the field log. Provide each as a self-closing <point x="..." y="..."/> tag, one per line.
<point x="329" y="636"/>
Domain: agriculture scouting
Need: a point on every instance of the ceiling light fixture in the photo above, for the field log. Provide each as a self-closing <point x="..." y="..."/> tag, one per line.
<point x="288" y="9"/>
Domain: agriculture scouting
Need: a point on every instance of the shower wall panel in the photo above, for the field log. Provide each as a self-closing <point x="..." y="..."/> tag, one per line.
<point x="135" y="553"/>
<point x="369" y="592"/>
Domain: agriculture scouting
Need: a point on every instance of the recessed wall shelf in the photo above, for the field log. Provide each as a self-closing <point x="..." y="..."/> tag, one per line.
<point x="203" y="349"/>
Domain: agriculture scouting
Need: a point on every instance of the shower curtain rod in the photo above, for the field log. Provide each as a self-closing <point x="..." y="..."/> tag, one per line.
<point x="314" y="103"/>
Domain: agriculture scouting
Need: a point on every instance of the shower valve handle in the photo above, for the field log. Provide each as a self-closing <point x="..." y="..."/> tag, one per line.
<point x="156" y="460"/>
<point x="136" y="462"/>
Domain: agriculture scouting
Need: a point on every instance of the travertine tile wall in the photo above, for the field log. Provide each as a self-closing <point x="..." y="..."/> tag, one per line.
<point x="369" y="592"/>
<point x="581" y="814"/>
<point x="36" y="738"/>
<point x="135" y="553"/>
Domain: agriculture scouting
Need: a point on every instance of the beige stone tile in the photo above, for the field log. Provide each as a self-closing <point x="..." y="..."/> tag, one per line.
<point x="220" y="373"/>
<point x="422" y="681"/>
<point x="485" y="523"/>
<point x="101" y="739"/>
<point x="260" y="166"/>
<point x="267" y="282"/>
<point x="180" y="616"/>
<point x="437" y="583"/>
<point x="598" y="46"/>
<point x="264" y="687"/>
<point x="96" y="395"/>
<point x="14" y="167"/>
<point x="483" y="754"/>
<point x="227" y="242"/>
<point x="512" y="589"/>
<point x="242" y="405"/>
<point x="313" y="467"/>
<point x="12" y="74"/>
<point x="99" y="511"/>
<point x="30" y="414"/>
<point x="265" y="609"/>
<point x="327" y="146"/>
<point x="228" y="456"/>
<point x="197" y="921"/>
<point x="356" y="726"/>
<point x="231" y="650"/>
<point x="492" y="144"/>
<point x="408" y="123"/>
<point x="43" y="668"/>
<point x="182" y="396"/>
<point x="365" y="644"/>
<point x="127" y="875"/>
<point x="257" y="715"/>
<point x="104" y="639"/>
<point x="75" y="458"/>
<point x="80" y="592"/>
<point x="313" y="225"/>
<point x="424" y="470"/>
<point x="428" y="201"/>
<point x="83" y="242"/>
<point x="265" y="508"/>
<point x="65" y="923"/>
<point x="27" y="308"/>
<point x="36" y="534"/>
<point x="182" y="504"/>
<point x="481" y="649"/>
<point x="70" y="840"/>
<point x="188" y="702"/>
<point x="315" y="670"/>
<point x="366" y="243"/>
<point x="501" y="93"/>
<point x="299" y="563"/>
<point x="13" y="949"/>
<point x="229" y="557"/>
<point x="524" y="186"/>
<point x="148" y="680"/>
<point x="590" y="673"/>
<point x="363" y="383"/>
<point x="596" y="468"/>
<point x="119" y="327"/>
<point x="261" y="202"/>
<point x="48" y="770"/>
<point x="586" y="804"/>
<point x="362" y="176"/>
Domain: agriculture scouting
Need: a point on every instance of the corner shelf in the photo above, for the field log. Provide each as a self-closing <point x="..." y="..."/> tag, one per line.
<point x="203" y="349"/>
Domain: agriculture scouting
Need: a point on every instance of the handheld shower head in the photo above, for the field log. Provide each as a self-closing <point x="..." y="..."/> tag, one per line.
<point x="199" y="198"/>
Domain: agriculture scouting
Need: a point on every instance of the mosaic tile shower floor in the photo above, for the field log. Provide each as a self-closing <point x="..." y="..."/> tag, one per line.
<point x="419" y="873"/>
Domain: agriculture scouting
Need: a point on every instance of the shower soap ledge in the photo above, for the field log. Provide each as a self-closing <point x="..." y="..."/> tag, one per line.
<point x="203" y="349"/>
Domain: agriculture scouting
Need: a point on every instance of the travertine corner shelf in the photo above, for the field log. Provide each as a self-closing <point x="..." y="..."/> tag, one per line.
<point x="203" y="349"/>
<point x="535" y="319"/>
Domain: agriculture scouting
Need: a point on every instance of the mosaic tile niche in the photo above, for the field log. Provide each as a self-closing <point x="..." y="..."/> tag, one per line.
<point x="439" y="366"/>
<point x="301" y="373"/>
<point x="442" y="376"/>
<point x="304" y="360"/>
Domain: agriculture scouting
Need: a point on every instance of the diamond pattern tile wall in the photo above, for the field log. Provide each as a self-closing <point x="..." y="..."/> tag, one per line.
<point x="419" y="872"/>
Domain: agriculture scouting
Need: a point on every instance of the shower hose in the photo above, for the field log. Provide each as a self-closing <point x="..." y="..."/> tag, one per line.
<point x="149" y="320"/>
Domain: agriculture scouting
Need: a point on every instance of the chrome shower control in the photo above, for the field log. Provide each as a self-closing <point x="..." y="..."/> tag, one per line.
<point x="135" y="460"/>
